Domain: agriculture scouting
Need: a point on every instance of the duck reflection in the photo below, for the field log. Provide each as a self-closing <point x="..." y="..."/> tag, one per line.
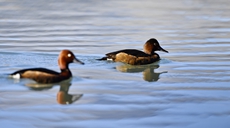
<point x="148" y="71"/>
<point x="63" y="97"/>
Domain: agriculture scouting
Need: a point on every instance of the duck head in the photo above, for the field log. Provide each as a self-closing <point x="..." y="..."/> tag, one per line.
<point x="153" y="45"/>
<point x="65" y="58"/>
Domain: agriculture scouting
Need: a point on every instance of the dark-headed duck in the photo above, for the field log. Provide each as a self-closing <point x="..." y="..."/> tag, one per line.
<point x="136" y="57"/>
<point x="46" y="76"/>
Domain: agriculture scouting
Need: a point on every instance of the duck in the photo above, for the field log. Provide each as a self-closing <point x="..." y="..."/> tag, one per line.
<point x="47" y="76"/>
<point x="137" y="57"/>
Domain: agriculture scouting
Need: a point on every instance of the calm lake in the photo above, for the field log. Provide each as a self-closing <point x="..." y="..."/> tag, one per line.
<point x="189" y="87"/>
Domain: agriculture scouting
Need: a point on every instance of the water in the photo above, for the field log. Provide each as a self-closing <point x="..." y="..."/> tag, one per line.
<point x="189" y="87"/>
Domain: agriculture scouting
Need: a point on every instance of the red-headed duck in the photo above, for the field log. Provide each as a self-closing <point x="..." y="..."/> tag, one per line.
<point x="46" y="76"/>
<point x="136" y="57"/>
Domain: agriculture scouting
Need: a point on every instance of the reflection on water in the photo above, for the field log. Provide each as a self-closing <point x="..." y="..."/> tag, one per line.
<point x="63" y="97"/>
<point x="148" y="71"/>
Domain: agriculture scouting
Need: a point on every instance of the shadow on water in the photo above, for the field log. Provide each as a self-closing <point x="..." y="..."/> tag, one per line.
<point x="148" y="71"/>
<point x="63" y="96"/>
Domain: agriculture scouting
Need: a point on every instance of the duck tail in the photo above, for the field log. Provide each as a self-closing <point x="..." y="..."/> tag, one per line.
<point x="103" y="58"/>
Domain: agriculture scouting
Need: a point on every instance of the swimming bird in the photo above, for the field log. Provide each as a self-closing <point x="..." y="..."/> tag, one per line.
<point x="47" y="76"/>
<point x="136" y="57"/>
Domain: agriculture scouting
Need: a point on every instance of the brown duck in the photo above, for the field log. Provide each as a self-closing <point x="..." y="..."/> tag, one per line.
<point x="136" y="57"/>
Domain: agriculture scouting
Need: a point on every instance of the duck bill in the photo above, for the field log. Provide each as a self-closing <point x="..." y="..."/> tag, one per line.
<point x="78" y="61"/>
<point x="161" y="49"/>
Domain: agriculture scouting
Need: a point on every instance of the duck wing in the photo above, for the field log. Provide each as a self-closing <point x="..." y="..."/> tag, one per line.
<point x="132" y="52"/>
<point x="41" y="70"/>
<point x="40" y="75"/>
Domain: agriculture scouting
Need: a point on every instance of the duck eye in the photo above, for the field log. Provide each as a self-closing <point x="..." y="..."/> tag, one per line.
<point x="69" y="55"/>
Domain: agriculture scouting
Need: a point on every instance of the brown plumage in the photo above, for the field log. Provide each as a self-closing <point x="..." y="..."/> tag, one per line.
<point x="136" y="57"/>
